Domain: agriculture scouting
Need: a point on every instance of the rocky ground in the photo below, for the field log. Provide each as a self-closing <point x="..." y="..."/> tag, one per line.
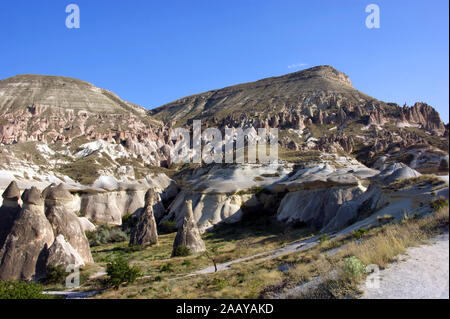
<point x="420" y="274"/>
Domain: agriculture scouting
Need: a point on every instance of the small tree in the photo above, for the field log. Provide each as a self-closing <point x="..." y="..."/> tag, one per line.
<point x="55" y="274"/>
<point x="212" y="255"/>
<point x="119" y="271"/>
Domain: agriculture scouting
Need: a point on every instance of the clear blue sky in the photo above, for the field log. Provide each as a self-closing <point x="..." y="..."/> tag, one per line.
<point x="152" y="52"/>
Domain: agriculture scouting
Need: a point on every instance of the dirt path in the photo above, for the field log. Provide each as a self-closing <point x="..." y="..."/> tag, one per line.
<point x="290" y="248"/>
<point x="421" y="274"/>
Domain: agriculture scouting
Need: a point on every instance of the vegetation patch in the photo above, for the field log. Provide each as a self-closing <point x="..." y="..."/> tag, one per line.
<point x="119" y="272"/>
<point x="105" y="234"/>
<point x="21" y="290"/>
<point x="182" y="251"/>
<point x="419" y="181"/>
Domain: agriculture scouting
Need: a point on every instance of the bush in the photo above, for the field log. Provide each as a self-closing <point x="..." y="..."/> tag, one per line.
<point x="167" y="227"/>
<point x="439" y="203"/>
<point x="21" y="290"/>
<point x="353" y="268"/>
<point x="187" y="263"/>
<point x="119" y="271"/>
<point x="106" y="234"/>
<point x="323" y="238"/>
<point x="358" y="234"/>
<point x="55" y="275"/>
<point x="182" y="251"/>
<point x="168" y="267"/>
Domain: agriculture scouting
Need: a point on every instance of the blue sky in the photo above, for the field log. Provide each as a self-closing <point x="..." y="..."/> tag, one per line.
<point x="152" y="52"/>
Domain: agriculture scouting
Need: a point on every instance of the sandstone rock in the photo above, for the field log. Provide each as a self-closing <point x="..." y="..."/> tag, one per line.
<point x="209" y="209"/>
<point x="315" y="207"/>
<point x="66" y="222"/>
<point x="86" y="224"/>
<point x="24" y="251"/>
<point x="145" y="232"/>
<point x="350" y="211"/>
<point x="188" y="234"/>
<point x="47" y="189"/>
<point x="110" y="207"/>
<point x="396" y="171"/>
<point x="12" y="192"/>
<point x="62" y="253"/>
<point x="9" y="210"/>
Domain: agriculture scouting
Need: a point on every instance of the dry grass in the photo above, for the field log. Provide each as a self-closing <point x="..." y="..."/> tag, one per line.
<point x="382" y="246"/>
<point x="264" y="278"/>
<point x="420" y="181"/>
<point x="388" y="243"/>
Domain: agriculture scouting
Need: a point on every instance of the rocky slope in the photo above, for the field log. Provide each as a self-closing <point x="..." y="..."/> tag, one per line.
<point x="66" y="113"/>
<point x="315" y="109"/>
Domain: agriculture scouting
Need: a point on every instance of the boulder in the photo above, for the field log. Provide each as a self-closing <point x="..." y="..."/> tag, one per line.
<point x="315" y="207"/>
<point x="24" y="252"/>
<point x="353" y="210"/>
<point x="65" y="222"/>
<point x="110" y="207"/>
<point x="9" y="210"/>
<point x="209" y="209"/>
<point x="145" y="232"/>
<point x="188" y="234"/>
<point x="404" y="172"/>
<point x="62" y="253"/>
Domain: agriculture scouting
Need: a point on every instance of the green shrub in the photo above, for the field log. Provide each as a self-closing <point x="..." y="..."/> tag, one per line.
<point x="182" y="251"/>
<point x="167" y="227"/>
<point x="353" y="268"/>
<point x="21" y="290"/>
<point x="219" y="283"/>
<point x="358" y="234"/>
<point x="439" y="203"/>
<point x="134" y="248"/>
<point x="323" y="238"/>
<point x="119" y="271"/>
<point x="187" y="263"/>
<point x="167" y="267"/>
<point x="106" y="234"/>
<point x="55" y="275"/>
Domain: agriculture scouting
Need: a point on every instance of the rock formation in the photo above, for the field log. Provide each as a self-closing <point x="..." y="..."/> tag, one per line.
<point x="9" y="210"/>
<point x="62" y="253"/>
<point x="145" y="232"/>
<point x="314" y="207"/>
<point x="66" y="223"/>
<point x="86" y="224"/>
<point x="24" y="252"/>
<point x="188" y="234"/>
